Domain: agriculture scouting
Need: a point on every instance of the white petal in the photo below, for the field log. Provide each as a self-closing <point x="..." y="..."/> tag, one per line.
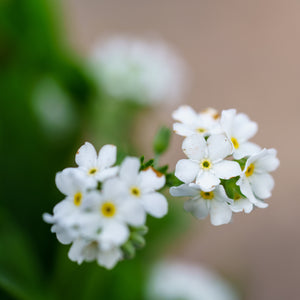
<point x="183" y="129"/>
<point x="227" y="120"/>
<point x="194" y="147"/>
<point x="220" y="213"/>
<point x="262" y="185"/>
<point x="151" y="180"/>
<point x="86" y="156"/>
<point x="245" y="149"/>
<point x="107" y="173"/>
<point x="198" y="208"/>
<point x="75" y="252"/>
<point x="218" y="147"/>
<point x="113" y="189"/>
<point x="243" y="128"/>
<point x="185" y="114"/>
<point x="107" y="156"/>
<point x="155" y="204"/>
<point x="65" y="182"/>
<point x="183" y="190"/>
<point x="242" y="204"/>
<point x="114" y="233"/>
<point x="186" y="170"/>
<point x="268" y="163"/>
<point x="129" y="169"/>
<point x="109" y="259"/>
<point x="207" y="181"/>
<point x="132" y="212"/>
<point x="63" y="235"/>
<point x="227" y="169"/>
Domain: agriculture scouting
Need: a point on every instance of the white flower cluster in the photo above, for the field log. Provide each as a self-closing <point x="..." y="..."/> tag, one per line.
<point x="105" y="206"/>
<point x="129" y="68"/>
<point x="224" y="172"/>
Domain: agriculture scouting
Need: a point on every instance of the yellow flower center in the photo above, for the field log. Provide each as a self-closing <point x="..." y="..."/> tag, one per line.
<point x="237" y="197"/>
<point x="108" y="209"/>
<point x="77" y="199"/>
<point x="201" y="130"/>
<point x="207" y="195"/>
<point x="92" y="171"/>
<point x="235" y="143"/>
<point x="206" y="164"/>
<point x="135" y="191"/>
<point x="250" y="170"/>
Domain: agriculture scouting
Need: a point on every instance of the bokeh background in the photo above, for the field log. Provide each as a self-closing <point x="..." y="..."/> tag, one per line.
<point x="240" y="54"/>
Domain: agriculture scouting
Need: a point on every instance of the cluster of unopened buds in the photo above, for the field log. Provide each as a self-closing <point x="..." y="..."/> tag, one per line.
<point x="104" y="212"/>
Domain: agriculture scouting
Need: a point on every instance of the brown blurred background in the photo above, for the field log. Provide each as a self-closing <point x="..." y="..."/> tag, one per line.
<point x="244" y="55"/>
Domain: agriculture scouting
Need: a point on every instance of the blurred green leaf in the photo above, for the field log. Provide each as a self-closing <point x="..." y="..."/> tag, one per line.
<point x="161" y="140"/>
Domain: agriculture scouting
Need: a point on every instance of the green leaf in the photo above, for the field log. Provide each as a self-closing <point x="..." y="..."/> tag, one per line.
<point x="161" y="140"/>
<point x="172" y="180"/>
<point x="231" y="188"/>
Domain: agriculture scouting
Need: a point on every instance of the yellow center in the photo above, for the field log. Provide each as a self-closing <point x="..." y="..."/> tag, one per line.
<point x="235" y="143"/>
<point x="207" y="195"/>
<point x="108" y="209"/>
<point x="201" y="130"/>
<point x="135" y="191"/>
<point x="237" y="197"/>
<point x="92" y="171"/>
<point x="206" y="164"/>
<point x="77" y="198"/>
<point x="249" y="170"/>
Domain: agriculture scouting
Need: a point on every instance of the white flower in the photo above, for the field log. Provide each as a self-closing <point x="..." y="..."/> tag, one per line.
<point x="68" y="215"/>
<point x="215" y="203"/>
<point x="113" y="212"/>
<point x="132" y="69"/>
<point x="239" y="129"/>
<point x="86" y="250"/>
<point x="256" y="183"/>
<point x="191" y="122"/>
<point x="142" y="186"/>
<point x="97" y="167"/>
<point x="178" y="280"/>
<point x="241" y="204"/>
<point x="206" y="161"/>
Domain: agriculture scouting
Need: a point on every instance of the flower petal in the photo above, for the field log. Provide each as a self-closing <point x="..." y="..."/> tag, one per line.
<point x="198" y="208"/>
<point x="227" y="169"/>
<point x="183" y="129"/>
<point x="207" y="181"/>
<point x="129" y="169"/>
<point x="150" y="180"/>
<point x="242" y="204"/>
<point x="107" y="173"/>
<point x="186" y="170"/>
<point x="86" y="156"/>
<point x="114" y="233"/>
<point x="185" y="114"/>
<point x="107" y="156"/>
<point x="220" y="213"/>
<point x="132" y="212"/>
<point x="268" y="162"/>
<point x="243" y="128"/>
<point x="75" y="252"/>
<point x="218" y="147"/>
<point x="109" y="259"/>
<point x="194" y="147"/>
<point x="183" y="190"/>
<point x="262" y="185"/>
<point x="155" y="204"/>
<point x="245" y="149"/>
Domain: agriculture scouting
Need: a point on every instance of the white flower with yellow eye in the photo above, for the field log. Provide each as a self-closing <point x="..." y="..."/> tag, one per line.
<point x="97" y="167"/>
<point x="203" y="123"/>
<point x="206" y="162"/>
<point x="68" y="215"/>
<point x="112" y="211"/>
<point x="239" y="128"/>
<point x="256" y="183"/>
<point x="142" y="186"/>
<point x="215" y="203"/>
<point x="90" y="250"/>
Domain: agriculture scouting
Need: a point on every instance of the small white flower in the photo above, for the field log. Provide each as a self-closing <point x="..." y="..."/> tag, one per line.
<point x="86" y="250"/>
<point x="139" y="70"/>
<point x="68" y="215"/>
<point x="239" y="129"/>
<point x="191" y="122"/>
<point x="241" y="204"/>
<point x="215" y="203"/>
<point x="256" y="183"/>
<point x="113" y="212"/>
<point x="97" y="167"/>
<point x="206" y="161"/>
<point x="142" y="186"/>
<point x="178" y="280"/>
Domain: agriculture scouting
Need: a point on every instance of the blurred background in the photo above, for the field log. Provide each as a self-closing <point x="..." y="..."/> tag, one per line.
<point x="233" y="54"/>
